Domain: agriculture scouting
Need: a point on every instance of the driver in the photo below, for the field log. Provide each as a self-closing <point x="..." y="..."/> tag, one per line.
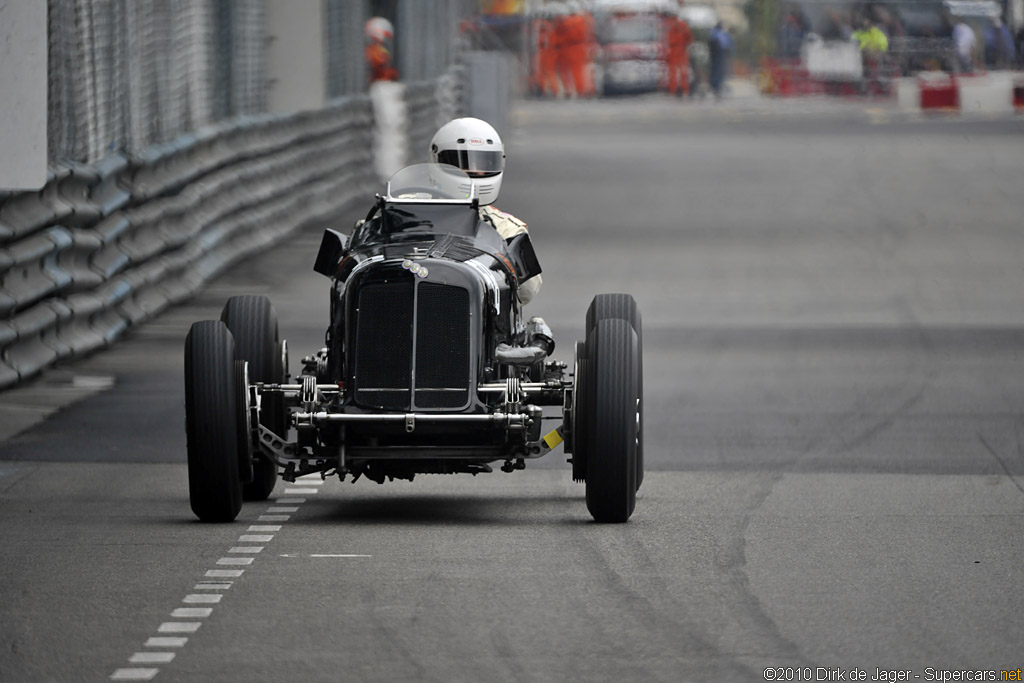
<point x="474" y="146"/>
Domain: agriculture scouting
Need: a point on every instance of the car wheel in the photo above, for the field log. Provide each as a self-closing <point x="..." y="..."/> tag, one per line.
<point x="623" y="306"/>
<point x="253" y="323"/>
<point x="613" y="420"/>
<point x="578" y="418"/>
<point x="211" y="419"/>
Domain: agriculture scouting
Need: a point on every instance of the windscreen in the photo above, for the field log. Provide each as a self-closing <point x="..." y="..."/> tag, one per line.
<point x="632" y="28"/>
<point x="426" y="182"/>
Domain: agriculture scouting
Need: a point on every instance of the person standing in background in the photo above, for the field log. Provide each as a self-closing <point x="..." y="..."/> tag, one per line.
<point x="547" y="58"/>
<point x="577" y="53"/>
<point x="379" y="36"/>
<point x="678" y="39"/>
<point x="720" y="47"/>
<point x="560" y="45"/>
<point x="965" y="42"/>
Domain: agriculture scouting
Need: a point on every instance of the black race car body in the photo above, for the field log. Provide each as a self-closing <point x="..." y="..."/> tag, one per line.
<point x="429" y="366"/>
<point x="426" y="325"/>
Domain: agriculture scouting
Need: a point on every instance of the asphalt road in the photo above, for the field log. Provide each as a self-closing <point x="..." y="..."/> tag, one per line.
<point x="833" y="328"/>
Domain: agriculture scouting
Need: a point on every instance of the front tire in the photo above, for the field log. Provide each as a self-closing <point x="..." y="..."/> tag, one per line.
<point x="211" y="418"/>
<point x="623" y="306"/>
<point x="253" y="323"/>
<point x="613" y="407"/>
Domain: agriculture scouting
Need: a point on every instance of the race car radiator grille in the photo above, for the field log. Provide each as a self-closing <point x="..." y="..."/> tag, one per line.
<point x="442" y="346"/>
<point x="384" y="345"/>
<point x="388" y="374"/>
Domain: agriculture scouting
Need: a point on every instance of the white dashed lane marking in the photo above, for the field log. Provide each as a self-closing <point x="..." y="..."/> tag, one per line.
<point x="255" y="538"/>
<point x="164" y="641"/>
<point x="179" y="627"/>
<point x="214" y="580"/>
<point x="321" y="555"/>
<point x="202" y="599"/>
<point x="134" y="674"/>
<point x="151" y="658"/>
<point x="224" y="573"/>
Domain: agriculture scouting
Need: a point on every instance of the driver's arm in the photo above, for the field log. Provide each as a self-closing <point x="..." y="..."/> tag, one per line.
<point x="509" y="226"/>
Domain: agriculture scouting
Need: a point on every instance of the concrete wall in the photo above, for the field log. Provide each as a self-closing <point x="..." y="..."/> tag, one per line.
<point x="23" y="83"/>
<point x="296" y="55"/>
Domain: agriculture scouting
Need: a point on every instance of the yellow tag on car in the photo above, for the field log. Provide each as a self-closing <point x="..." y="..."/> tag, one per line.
<point x="552" y="439"/>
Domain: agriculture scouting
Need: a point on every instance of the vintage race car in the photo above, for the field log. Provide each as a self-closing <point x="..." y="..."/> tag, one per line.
<point x="429" y="366"/>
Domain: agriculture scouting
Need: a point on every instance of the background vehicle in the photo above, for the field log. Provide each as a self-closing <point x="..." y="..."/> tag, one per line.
<point x="429" y="366"/>
<point x="630" y="33"/>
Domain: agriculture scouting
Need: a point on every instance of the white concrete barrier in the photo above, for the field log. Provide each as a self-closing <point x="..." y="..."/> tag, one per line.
<point x="990" y="93"/>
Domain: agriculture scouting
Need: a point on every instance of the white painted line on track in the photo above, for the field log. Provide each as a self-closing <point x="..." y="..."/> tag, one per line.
<point x="151" y="658"/>
<point x="179" y="627"/>
<point x="255" y="538"/>
<point x="321" y="555"/>
<point x="134" y="674"/>
<point x="224" y="573"/>
<point x="258" y="533"/>
<point x="212" y="586"/>
<point x="165" y="641"/>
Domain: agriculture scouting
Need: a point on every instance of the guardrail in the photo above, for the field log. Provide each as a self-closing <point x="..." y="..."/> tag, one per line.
<point x="101" y="248"/>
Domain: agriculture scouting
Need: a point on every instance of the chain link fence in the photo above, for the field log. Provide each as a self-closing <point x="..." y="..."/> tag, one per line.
<point x="126" y="74"/>
<point x="428" y="36"/>
<point x="346" y="71"/>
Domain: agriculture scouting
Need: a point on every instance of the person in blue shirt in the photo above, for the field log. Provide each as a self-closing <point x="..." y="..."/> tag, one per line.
<point x="720" y="46"/>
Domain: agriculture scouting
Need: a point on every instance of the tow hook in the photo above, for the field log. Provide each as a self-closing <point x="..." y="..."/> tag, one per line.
<point x="510" y="466"/>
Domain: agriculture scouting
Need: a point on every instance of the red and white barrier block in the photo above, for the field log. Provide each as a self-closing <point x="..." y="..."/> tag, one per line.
<point x="996" y="92"/>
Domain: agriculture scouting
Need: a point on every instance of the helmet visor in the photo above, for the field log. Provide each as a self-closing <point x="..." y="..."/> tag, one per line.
<point x="476" y="163"/>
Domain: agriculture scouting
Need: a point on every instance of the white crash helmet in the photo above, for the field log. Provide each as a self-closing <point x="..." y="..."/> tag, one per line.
<point x="474" y="146"/>
<point x="379" y="29"/>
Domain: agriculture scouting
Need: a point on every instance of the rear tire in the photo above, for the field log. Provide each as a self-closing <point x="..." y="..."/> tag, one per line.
<point x="612" y="424"/>
<point x="253" y="323"/>
<point x="211" y="418"/>
<point x="622" y="306"/>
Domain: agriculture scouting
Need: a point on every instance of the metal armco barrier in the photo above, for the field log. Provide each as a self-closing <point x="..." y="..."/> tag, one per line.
<point x="101" y="248"/>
